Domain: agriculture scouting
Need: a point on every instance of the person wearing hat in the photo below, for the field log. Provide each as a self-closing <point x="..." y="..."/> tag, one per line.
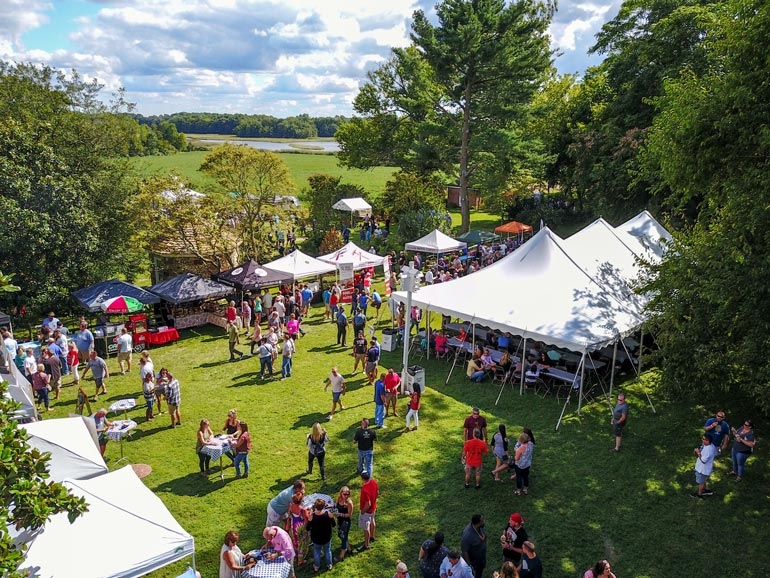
<point x="401" y="570"/>
<point x="50" y="321"/>
<point x="513" y="538"/>
<point x="102" y="423"/>
<point x="531" y="565"/>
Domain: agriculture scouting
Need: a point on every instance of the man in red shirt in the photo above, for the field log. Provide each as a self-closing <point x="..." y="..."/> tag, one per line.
<point x="367" y="507"/>
<point x="473" y="456"/>
<point x="392" y="382"/>
<point x="472" y="422"/>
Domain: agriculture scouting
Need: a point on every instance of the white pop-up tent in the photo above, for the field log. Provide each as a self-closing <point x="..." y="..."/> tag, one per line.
<point x="354" y="205"/>
<point x="127" y="532"/>
<point x="298" y="265"/>
<point x="74" y="451"/>
<point x="435" y="242"/>
<point x="352" y="255"/>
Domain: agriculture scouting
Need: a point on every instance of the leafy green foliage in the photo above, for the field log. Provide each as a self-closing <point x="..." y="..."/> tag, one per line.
<point x="28" y="497"/>
<point x="323" y="191"/>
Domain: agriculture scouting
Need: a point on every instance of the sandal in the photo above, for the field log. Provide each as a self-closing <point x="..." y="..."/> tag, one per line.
<point x="517" y="492"/>
<point x="525" y="491"/>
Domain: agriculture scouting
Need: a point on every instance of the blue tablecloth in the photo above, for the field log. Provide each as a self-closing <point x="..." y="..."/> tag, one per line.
<point x="278" y="568"/>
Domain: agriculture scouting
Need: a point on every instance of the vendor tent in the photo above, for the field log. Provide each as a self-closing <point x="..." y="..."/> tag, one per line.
<point x="354" y="205"/>
<point x="129" y="529"/>
<point x="251" y="275"/>
<point x="20" y="391"/>
<point x="647" y="233"/>
<point x="352" y="254"/>
<point x="538" y="292"/>
<point x="189" y="287"/>
<point x="92" y="297"/>
<point x="297" y="265"/>
<point x="514" y="228"/>
<point x="477" y="237"/>
<point x="435" y="242"/>
<point x="74" y="451"/>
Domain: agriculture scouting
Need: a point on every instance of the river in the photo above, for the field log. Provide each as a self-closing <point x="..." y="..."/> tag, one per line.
<point x="327" y="146"/>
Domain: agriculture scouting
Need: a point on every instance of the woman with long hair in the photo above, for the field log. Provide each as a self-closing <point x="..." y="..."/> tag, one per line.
<point x="296" y="527"/>
<point x="432" y="553"/>
<point x="316" y="449"/>
<point x="344" y="515"/>
<point x="204" y="438"/>
<point x="500" y="450"/>
<point x="601" y="569"/>
<point x="507" y="571"/>
<point x="242" y="449"/>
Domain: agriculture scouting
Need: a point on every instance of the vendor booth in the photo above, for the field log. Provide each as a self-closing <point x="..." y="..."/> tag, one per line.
<point x="436" y="243"/>
<point x="191" y="301"/>
<point x="93" y="296"/>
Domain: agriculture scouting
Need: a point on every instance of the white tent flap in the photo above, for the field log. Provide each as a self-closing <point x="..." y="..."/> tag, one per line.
<point x="354" y="205"/>
<point x="299" y="265"/>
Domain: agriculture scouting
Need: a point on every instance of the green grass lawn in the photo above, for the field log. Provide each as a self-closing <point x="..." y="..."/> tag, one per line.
<point x="585" y="502"/>
<point x="300" y="166"/>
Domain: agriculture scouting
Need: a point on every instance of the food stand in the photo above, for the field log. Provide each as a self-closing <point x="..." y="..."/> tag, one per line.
<point x="191" y="301"/>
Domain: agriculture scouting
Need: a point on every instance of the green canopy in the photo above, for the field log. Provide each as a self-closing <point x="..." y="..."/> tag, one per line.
<point x="478" y="237"/>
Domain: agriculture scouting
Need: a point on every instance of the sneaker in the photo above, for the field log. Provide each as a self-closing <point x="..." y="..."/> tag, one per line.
<point x="406" y="429"/>
<point x="329" y="417"/>
<point x="708" y="492"/>
<point x="696" y="495"/>
<point x="414" y="428"/>
<point x="467" y="486"/>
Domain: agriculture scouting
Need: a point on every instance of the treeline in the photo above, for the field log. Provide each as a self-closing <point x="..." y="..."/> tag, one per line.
<point x="247" y="125"/>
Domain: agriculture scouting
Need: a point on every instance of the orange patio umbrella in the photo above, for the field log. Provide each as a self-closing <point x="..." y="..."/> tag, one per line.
<point x="514" y="228"/>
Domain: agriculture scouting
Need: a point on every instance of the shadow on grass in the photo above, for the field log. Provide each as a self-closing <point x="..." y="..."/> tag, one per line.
<point x="193" y="484"/>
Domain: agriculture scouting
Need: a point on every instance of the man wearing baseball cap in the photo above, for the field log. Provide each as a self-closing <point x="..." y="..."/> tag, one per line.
<point x="513" y="539"/>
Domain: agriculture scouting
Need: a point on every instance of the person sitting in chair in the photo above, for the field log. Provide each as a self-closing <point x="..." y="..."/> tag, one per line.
<point x="475" y="370"/>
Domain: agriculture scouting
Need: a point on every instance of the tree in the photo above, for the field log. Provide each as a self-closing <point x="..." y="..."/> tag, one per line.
<point x="253" y="177"/>
<point x="710" y="147"/>
<point x="29" y="498"/>
<point x="323" y="192"/>
<point x="65" y="185"/>
<point x="452" y="101"/>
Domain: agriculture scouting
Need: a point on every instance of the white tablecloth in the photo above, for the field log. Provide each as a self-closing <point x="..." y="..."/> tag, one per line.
<point x="123" y="405"/>
<point x="120" y="428"/>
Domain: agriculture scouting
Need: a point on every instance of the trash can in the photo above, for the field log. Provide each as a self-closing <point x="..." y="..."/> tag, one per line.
<point x="415" y="376"/>
<point x="389" y="339"/>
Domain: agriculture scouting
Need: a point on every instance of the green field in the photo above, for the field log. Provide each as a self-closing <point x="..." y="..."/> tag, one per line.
<point x="585" y="503"/>
<point x="300" y="166"/>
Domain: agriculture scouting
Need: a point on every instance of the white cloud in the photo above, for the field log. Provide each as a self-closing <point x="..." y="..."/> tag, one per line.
<point x="280" y="57"/>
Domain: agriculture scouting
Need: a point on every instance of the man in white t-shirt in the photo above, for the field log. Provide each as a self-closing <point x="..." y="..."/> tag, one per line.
<point x="125" y="347"/>
<point x="339" y="387"/>
<point x="704" y="465"/>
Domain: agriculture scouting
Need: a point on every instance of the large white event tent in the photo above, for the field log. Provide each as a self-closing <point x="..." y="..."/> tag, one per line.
<point x="435" y="242"/>
<point x="298" y="265"/>
<point x="352" y="255"/>
<point x="648" y="234"/>
<point x="74" y="451"/>
<point x="129" y="530"/>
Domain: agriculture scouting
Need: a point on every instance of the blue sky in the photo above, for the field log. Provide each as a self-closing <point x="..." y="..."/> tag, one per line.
<point x="279" y="57"/>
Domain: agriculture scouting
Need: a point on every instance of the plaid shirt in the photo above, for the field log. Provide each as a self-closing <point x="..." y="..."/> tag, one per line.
<point x="173" y="395"/>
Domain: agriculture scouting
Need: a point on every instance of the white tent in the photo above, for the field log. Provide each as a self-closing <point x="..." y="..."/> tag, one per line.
<point x="538" y="292"/>
<point x="20" y="391"/>
<point x="646" y="233"/>
<point x="354" y="205"/>
<point x="74" y="452"/>
<point x="126" y="532"/>
<point x="352" y="254"/>
<point x="435" y="242"/>
<point x="612" y="260"/>
<point x="299" y="265"/>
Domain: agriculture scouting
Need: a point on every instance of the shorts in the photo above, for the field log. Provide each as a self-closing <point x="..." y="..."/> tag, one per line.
<point x="99" y="381"/>
<point x="124" y="356"/>
<point x="336" y="396"/>
<point x="172" y="408"/>
<point x="619" y="429"/>
<point x="701" y="478"/>
<point x="371" y="366"/>
<point x="390" y="398"/>
<point x="477" y="468"/>
<point x="365" y="521"/>
<point x="273" y="517"/>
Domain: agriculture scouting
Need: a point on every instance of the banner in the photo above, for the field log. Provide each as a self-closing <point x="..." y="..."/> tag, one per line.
<point x="386" y="272"/>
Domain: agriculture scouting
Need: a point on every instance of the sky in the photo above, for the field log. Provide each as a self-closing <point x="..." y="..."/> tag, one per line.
<point x="281" y="58"/>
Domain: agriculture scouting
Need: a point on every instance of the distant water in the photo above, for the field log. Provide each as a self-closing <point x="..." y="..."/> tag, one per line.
<point x="327" y="146"/>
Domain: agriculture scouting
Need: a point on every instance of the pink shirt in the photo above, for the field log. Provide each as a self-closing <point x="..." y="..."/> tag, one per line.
<point x="281" y="542"/>
<point x="292" y="326"/>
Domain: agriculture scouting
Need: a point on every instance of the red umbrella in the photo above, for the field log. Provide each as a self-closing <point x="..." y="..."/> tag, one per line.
<point x="121" y="304"/>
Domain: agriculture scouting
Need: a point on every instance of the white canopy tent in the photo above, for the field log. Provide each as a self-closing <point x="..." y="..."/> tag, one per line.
<point x="352" y="254"/>
<point x="136" y="533"/>
<point x="74" y="451"/>
<point x="19" y="390"/>
<point x="435" y="242"/>
<point x="538" y="292"/>
<point x="354" y="205"/>
<point x="299" y="265"/>
<point x="648" y="234"/>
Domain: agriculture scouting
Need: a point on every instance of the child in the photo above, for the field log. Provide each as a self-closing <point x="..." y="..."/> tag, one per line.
<point x="414" y="408"/>
<point x="73" y="361"/>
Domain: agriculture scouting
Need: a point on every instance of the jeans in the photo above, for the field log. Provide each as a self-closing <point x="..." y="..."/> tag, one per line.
<point x="241" y="458"/>
<point x="522" y="478"/>
<point x="327" y="550"/>
<point x="265" y="363"/>
<point x="366" y="461"/>
<point x="204" y="462"/>
<point x="148" y="411"/>
<point x="286" y="367"/>
<point x="739" y="461"/>
<point x="379" y="414"/>
<point x="65" y="368"/>
<point x="42" y="396"/>
<point x="478" y="376"/>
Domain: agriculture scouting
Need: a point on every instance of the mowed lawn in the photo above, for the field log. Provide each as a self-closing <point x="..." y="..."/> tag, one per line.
<point x="585" y="502"/>
<point x="300" y="166"/>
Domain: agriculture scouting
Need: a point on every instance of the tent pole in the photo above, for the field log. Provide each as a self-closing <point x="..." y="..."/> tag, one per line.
<point x="454" y="362"/>
<point x="569" y="393"/>
<point x="612" y="371"/>
<point x="523" y="361"/>
<point x="427" y="333"/>
<point x="582" y="379"/>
